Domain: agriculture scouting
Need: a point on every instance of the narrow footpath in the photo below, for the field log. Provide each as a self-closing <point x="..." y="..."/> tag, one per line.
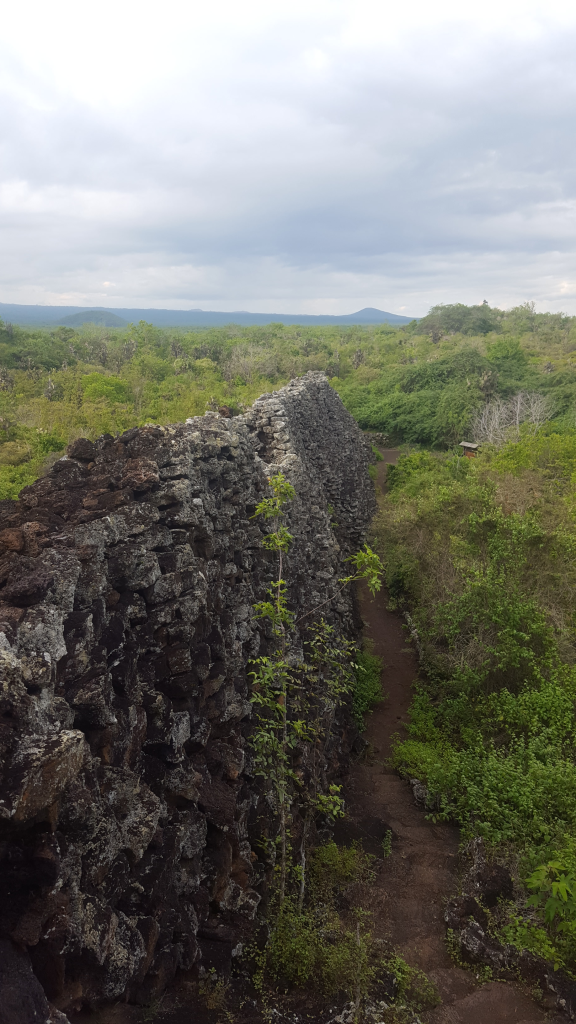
<point x="421" y="871"/>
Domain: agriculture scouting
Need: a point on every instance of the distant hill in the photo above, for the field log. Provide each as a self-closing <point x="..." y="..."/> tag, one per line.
<point x="94" y="316"/>
<point x="51" y="316"/>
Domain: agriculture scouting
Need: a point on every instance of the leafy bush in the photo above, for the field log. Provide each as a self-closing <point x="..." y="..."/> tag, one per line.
<point x="97" y="386"/>
<point x="305" y="945"/>
<point x="367" y="686"/>
<point x="23" y="455"/>
<point x="312" y="941"/>
<point x="311" y="946"/>
<point x="340" y="956"/>
<point x="13" y="453"/>
<point x="482" y="555"/>
<point x="333" y="868"/>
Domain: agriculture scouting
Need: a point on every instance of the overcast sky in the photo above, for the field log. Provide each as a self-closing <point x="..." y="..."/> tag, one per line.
<point x="288" y="156"/>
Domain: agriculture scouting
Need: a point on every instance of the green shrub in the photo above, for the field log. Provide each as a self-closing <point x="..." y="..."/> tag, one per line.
<point x="22" y="457"/>
<point x="367" y="686"/>
<point x="13" y="453"/>
<point x="554" y="455"/>
<point x="483" y="556"/>
<point x="97" y="386"/>
<point x="526" y="934"/>
<point x="14" y="478"/>
<point x="295" y="947"/>
<point x="315" y="946"/>
<point x="333" y="868"/>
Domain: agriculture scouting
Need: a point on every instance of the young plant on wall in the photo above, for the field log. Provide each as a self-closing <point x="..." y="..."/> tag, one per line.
<point x="296" y="703"/>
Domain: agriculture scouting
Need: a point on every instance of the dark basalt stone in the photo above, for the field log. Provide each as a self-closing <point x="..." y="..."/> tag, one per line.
<point x="28" y="590"/>
<point x="83" y="449"/>
<point x="127" y="810"/>
<point x="22" y="998"/>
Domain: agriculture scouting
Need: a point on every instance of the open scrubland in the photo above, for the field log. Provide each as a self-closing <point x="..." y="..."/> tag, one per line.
<point x="420" y="384"/>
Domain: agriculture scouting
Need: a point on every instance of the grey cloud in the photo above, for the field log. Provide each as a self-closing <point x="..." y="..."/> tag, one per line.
<point x="415" y="175"/>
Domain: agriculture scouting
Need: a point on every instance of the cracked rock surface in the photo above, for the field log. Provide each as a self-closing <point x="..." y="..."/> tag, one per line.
<point x="128" y="815"/>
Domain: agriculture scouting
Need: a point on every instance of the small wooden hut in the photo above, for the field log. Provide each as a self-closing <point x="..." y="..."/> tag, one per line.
<point x="470" y="449"/>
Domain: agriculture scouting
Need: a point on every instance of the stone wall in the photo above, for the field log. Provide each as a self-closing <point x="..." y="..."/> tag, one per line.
<point x="127" y="579"/>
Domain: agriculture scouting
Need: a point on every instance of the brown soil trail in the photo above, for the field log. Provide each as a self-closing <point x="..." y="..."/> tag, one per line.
<point x="420" y="873"/>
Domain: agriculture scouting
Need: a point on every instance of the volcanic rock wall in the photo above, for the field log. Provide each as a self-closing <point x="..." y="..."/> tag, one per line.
<point x="127" y="579"/>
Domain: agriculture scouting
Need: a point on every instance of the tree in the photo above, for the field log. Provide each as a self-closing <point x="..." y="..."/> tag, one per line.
<point x="499" y="421"/>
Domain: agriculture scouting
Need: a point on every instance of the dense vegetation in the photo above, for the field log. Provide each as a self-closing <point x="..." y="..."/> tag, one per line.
<point x="481" y="553"/>
<point x="419" y="384"/>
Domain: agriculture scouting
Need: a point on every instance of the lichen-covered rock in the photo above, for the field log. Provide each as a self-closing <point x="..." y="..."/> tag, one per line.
<point x="127" y="580"/>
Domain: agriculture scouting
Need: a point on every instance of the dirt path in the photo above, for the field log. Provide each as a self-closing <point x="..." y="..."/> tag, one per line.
<point x="420" y="872"/>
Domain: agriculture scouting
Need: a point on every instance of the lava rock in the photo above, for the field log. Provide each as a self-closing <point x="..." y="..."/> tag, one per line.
<point x="22" y="998"/>
<point x="128" y="574"/>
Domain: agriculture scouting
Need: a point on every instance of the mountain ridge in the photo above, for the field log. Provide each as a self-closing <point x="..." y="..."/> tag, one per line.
<point x="52" y="316"/>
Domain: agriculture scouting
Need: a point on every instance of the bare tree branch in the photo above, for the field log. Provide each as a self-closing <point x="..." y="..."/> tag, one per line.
<point x="499" y="421"/>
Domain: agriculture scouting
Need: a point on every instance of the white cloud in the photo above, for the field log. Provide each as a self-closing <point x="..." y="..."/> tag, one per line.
<point x="308" y="157"/>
